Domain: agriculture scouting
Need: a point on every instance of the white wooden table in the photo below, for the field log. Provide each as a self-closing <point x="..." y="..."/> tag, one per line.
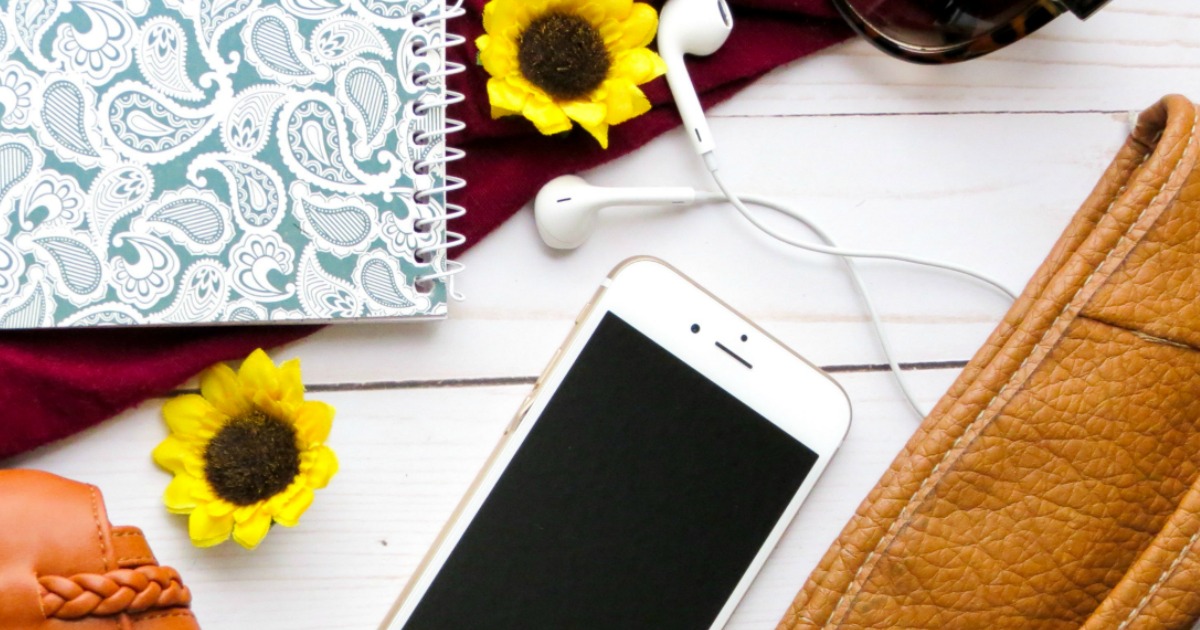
<point x="980" y="164"/>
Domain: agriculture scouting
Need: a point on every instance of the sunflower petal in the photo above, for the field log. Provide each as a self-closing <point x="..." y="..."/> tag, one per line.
<point x="177" y="455"/>
<point x="273" y="505"/>
<point x="592" y="117"/>
<point x="506" y="96"/>
<point x="599" y="11"/>
<point x="219" y="385"/>
<point x="546" y="115"/>
<point x="585" y="113"/>
<point x="252" y="531"/>
<point x="599" y="132"/>
<point x="258" y="376"/>
<point x="313" y="421"/>
<point x="494" y="19"/>
<point x="635" y="31"/>
<point x="322" y="467"/>
<point x="625" y="101"/>
<point x="243" y="513"/>
<point x="207" y="530"/>
<point x="640" y="65"/>
<point x="289" y="516"/>
<point x="500" y="112"/>
<point x="179" y="496"/>
<point x="508" y="18"/>
<point x="498" y="55"/>
<point x="190" y="415"/>
<point x="291" y="386"/>
<point x="218" y="507"/>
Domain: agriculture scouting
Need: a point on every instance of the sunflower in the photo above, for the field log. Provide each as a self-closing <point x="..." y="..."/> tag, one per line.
<point x="557" y="61"/>
<point x="247" y="451"/>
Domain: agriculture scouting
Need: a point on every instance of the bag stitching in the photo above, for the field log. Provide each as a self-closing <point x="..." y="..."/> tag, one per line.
<point x="99" y="538"/>
<point x="1192" y="541"/>
<point x="138" y="559"/>
<point x="99" y="528"/>
<point x="901" y="518"/>
<point x="1162" y="580"/>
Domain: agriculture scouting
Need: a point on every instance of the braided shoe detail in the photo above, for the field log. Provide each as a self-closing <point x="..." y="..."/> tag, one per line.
<point x="122" y="591"/>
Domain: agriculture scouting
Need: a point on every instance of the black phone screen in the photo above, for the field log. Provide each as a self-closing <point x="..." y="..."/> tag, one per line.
<point x="638" y="500"/>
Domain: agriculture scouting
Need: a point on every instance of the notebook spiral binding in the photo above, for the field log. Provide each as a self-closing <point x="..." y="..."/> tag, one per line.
<point x="440" y="155"/>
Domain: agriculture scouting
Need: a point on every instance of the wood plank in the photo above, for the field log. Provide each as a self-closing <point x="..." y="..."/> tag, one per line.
<point x="1124" y="58"/>
<point x="406" y="458"/>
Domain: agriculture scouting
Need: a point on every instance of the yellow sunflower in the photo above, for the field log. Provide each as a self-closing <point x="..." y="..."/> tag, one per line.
<point x="557" y="61"/>
<point x="248" y="451"/>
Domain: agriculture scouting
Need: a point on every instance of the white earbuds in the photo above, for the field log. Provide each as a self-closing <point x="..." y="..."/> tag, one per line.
<point x="694" y="27"/>
<point x="565" y="210"/>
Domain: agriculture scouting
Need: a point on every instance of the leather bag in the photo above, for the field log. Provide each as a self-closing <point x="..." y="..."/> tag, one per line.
<point x="63" y="566"/>
<point x="1055" y="485"/>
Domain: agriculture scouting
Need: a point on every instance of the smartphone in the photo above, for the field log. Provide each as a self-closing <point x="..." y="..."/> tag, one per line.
<point x="645" y="479"/>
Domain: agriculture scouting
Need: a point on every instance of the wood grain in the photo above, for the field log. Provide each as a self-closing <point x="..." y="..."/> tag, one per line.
<point x="980" y="164"/>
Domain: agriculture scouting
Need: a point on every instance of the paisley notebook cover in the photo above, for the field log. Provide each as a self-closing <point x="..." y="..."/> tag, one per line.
<point x="201" y="161"/>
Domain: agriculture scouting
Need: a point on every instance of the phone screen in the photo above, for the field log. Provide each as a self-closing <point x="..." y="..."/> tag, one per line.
<point x="638" y="500"/>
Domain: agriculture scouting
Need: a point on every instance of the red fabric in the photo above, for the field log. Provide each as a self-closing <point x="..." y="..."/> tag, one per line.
<point x="56" y="383"/>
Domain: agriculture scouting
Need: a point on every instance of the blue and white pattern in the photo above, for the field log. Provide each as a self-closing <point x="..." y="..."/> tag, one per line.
<point x="197" y="161"/>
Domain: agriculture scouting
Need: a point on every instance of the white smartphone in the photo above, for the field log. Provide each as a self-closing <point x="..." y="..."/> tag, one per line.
<point x="645" y="479"/>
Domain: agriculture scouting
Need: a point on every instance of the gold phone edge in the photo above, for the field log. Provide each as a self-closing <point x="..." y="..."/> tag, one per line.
<point x="491" y="460"/>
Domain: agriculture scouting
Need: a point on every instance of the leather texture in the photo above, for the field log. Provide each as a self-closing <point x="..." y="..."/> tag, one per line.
<point x="1056" y="483"/>
<point x="63" y="566"/>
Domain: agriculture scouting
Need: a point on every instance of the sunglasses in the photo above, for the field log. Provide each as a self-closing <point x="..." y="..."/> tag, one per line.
<point x="946" y="31"/>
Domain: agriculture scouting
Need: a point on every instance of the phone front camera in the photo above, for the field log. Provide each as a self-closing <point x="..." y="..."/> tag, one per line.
<point x="695" y="328"/>
<point x="745" y="338"/>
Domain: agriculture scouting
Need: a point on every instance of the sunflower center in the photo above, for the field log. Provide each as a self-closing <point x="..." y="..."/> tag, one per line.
<point x="252" y="458"/>
<point x="564" y="55"/>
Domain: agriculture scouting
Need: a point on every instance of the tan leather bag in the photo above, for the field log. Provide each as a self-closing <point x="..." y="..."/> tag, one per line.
<point x="1055" y="485"/>
<point x="64" y="567"/>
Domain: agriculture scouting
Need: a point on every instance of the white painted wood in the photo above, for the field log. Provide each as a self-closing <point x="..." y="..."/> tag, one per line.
<point x="980" y="164"/>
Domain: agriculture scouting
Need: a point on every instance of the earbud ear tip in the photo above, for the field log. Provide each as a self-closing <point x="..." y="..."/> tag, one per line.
<point x="564" y="219"/>
<point x="554" y="243"/>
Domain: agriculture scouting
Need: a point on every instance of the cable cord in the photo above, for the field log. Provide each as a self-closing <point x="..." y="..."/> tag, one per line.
<point x="847" y="256"/>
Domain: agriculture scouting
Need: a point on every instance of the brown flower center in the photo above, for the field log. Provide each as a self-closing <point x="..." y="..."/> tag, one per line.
<point x="564" y="55"/>
<point x="252" y="458"/>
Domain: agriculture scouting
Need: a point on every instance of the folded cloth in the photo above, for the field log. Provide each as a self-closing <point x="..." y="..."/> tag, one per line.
<point x="55" y="383"/>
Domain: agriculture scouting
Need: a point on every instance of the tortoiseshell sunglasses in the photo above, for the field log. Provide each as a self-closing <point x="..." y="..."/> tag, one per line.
<point x="945" y="31"/>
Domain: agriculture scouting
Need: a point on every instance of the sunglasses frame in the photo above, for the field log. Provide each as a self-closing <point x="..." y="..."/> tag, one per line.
<point x="1035" y="15"/>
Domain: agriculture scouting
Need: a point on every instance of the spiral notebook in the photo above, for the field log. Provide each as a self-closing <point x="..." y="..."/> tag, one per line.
<point x="236" y="161"/>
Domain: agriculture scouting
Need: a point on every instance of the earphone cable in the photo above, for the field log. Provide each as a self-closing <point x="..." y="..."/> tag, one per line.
<point x="847" y="256"/>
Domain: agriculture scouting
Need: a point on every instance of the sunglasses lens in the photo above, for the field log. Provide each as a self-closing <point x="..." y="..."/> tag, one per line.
<point x="933" y="24"/>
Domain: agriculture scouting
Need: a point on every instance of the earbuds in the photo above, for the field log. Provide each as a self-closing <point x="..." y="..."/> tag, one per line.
<point x="565" y="210"/>
<point x="694" y="27"/>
